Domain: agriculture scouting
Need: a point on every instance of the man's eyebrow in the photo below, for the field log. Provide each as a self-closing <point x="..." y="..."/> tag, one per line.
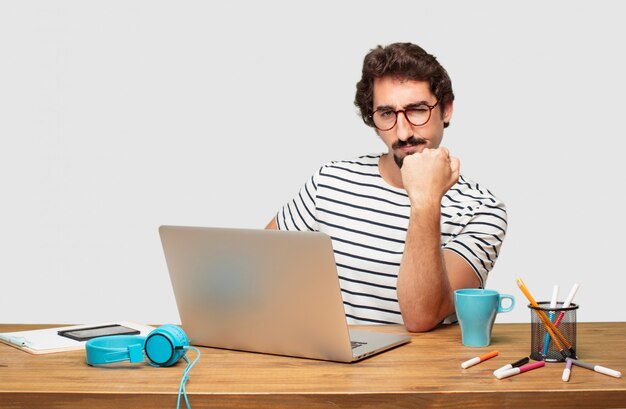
<point x="385" y="108"/>
<point x="392" y="108"/>
<point x="416" y="104"/>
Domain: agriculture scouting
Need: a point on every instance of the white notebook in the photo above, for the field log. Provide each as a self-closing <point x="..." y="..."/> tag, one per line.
<point x="45" y="341"/>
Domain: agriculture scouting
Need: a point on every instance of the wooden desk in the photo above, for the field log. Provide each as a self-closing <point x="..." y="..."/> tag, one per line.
<point x="425" y="373"/>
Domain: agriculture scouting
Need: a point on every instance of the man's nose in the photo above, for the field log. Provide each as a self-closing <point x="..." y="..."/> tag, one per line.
<point x="404" y="129"/>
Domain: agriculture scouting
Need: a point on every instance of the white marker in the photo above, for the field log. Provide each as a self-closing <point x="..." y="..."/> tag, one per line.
<point x="570" y="296"/>
<point x="566" y="304"/>
<point x="553" y="301"/>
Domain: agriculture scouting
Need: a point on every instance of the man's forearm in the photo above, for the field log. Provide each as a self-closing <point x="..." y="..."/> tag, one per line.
<point x="424" y="291"/>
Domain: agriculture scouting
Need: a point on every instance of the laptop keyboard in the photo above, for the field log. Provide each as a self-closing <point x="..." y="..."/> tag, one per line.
<point x="356" y="344"/>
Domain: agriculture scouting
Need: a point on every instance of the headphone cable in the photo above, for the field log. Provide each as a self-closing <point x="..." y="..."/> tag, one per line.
<point x="185" y="378"/>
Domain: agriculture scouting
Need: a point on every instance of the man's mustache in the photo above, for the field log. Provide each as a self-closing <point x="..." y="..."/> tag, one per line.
<point x="412" y="141"/>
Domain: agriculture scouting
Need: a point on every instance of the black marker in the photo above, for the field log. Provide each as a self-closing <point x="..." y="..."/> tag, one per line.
<point x="515" y="364"/>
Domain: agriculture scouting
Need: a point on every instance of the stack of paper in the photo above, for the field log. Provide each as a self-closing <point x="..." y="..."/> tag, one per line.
<point x="44" y="341"/>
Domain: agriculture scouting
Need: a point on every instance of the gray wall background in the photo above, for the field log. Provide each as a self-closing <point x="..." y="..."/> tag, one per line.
<point x="119" y="116"/>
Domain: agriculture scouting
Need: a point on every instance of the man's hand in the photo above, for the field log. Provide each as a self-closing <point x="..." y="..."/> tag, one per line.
<point x="429" y="174"/>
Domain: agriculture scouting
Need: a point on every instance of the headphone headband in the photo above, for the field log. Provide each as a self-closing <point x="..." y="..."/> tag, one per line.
<point x="115" y="348"/>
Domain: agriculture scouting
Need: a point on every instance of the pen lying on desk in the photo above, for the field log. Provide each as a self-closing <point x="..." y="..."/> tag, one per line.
<point x="19" y="341"/>
<point x="567" y="371"/>
<point x="524" y="368"/>
<point x="515" y="364"/>
<point x="596" y="368"/>
<point x="478" y="359"/>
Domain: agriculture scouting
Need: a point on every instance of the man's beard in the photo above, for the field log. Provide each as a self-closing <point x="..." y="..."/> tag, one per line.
<point x="412" y="141"/>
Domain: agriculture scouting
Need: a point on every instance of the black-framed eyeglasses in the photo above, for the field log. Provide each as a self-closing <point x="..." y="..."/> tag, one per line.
<point x="384" y="118"/>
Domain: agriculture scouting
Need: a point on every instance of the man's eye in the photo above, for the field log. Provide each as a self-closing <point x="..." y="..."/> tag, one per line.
<point x="387" y="114"/>
<point x="419" y="108"/>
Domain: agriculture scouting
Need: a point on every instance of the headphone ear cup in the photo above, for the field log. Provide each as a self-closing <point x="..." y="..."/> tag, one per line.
<point x="165" y="345"/>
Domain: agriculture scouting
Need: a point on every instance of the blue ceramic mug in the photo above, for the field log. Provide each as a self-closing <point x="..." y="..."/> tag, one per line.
<point x="476" y="311"/>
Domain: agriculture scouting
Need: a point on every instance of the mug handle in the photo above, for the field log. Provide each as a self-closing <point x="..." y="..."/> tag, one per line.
<point x="504" y="297"/>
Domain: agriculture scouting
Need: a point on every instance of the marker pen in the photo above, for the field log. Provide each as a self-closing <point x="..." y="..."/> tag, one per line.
<point x="567" y="370"/>
<point x="19" y="341"/>
<point x="515" y="364"/>
<point x="566" y="304"/>
<point x="478" y="359"/>
<point x="514" y="371"/>
<point x="553" y="301"/>
<point x="596" y="368"/>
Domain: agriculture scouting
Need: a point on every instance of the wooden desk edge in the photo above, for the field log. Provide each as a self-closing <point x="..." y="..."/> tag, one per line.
<point x="487" y="400"/>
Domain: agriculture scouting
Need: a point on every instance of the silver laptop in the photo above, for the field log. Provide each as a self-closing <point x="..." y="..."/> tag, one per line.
<point x="266" y="291"/>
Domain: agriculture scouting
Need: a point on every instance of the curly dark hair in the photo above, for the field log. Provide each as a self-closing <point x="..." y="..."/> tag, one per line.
<point x="403" y="61"/>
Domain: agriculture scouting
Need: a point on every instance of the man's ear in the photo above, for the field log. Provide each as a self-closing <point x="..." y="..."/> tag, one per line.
<point x="446" y="115"/>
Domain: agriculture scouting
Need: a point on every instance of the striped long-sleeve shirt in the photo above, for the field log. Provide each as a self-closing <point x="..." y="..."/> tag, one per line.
<point x="367" y="220"/>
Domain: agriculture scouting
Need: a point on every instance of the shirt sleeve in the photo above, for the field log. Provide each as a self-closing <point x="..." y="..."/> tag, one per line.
<point x="299" y="213"/>
<point x="480" y="239"/>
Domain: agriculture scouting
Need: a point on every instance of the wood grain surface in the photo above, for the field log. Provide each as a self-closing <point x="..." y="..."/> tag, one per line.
<point x="425" y="373"/>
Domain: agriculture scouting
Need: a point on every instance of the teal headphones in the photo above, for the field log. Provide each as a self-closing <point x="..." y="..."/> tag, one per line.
<point x="162" y="347"/>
